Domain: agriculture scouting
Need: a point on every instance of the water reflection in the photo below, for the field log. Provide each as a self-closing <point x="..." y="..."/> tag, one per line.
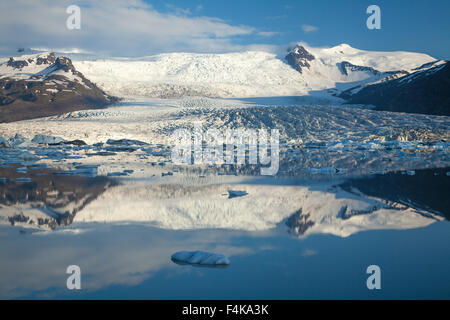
<point x="107" y="255"/>
<point x="40" y="197"/>
<point x="130" y="261"/>
<point x="148" y="220"/>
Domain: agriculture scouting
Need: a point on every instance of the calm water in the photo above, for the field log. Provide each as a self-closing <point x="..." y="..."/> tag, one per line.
<point x="133" y="262"/>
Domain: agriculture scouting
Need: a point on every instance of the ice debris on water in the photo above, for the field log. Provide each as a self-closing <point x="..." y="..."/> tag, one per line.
<point x="200" y="257"/>
<point x="21" y="170"/>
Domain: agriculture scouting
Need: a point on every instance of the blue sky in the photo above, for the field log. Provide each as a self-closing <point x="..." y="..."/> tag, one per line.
<point x="144" y="27"/>
<point x="408" y="25"/>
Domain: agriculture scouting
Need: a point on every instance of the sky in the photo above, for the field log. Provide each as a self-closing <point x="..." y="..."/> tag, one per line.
<point x="145" y="27"/>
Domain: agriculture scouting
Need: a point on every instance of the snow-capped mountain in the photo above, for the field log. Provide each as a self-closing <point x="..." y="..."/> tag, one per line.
<point x="299" y="71"/>
<point x="424" y="90"/>
<point x="57" y="85"/>
<point x="42" y="84"/>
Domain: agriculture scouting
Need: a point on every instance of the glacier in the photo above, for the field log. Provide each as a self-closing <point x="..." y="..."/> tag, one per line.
<point x="243" y="74"/>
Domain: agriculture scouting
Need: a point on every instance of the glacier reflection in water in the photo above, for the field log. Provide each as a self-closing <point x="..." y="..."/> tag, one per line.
<point x="288" y="240"/>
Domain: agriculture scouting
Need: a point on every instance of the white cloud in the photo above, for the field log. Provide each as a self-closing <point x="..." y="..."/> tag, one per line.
<point x="120" y="27"/>
<point x="267" y="33"/>
<point x="308" y="28"/>
<point x="309" y="252"/>
<point x="282" y="16"/>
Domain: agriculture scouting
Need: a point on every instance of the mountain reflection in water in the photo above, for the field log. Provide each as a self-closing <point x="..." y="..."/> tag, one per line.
<point x="41" y="197"/>
<point x="131" y="258"/>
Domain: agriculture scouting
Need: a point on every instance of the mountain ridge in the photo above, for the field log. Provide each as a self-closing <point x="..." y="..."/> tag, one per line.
<point x="423" y="91"/>
<point x="244" y="74"/>
<point x="42" y="84"/>
<point x="335" y="73"/>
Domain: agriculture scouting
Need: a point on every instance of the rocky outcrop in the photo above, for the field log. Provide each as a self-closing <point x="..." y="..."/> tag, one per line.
<point x="424" y="91"/>
<point x="45" y="85"/>
<point x="298" y="222"/>
<point x="299" y="58"/>
<point x="346" y="66"/>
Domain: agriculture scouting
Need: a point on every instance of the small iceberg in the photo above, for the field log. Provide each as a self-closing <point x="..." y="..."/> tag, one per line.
<point x="200" y="258"/>
<point x="43" y="139"/>
<point x="21" y="170"/>
<point x="4" y="143"/>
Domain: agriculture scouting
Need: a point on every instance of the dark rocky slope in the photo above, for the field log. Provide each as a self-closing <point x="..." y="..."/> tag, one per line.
<point x="425" y="91"/>
<point x="45" y="85"/>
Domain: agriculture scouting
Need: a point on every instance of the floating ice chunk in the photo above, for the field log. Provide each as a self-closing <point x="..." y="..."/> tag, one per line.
<point x="21" y="170"/>
<point x="200" y="257"/>
<point x="410" y="172"/>
<point x="4" y="143"/>
<point x="336" y="146"/>
<point x="19" y="141"/>
<point x="43" y="139"/>
<point x="323" y="170"/>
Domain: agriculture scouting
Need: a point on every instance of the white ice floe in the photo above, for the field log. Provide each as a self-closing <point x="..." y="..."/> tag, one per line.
<point x="43" y="139"/>
<point x="200" y="257"/>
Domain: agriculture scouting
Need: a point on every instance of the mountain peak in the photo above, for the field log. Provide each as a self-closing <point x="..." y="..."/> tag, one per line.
<point x="46" y="58"/>
<point x="299" y="57"/>
<point x="42" y="84"/>
<point x="343" y="48"/>
<point x="343" y="45"/>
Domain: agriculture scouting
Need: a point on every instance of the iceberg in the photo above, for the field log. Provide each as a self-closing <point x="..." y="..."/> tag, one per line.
<point x="43" y="139"/>
<point x="4" y="143"/>
<point x="200" y="257"/>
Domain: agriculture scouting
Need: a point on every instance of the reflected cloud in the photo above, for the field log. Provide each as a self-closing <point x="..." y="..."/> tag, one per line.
<point x="107" y="255"/>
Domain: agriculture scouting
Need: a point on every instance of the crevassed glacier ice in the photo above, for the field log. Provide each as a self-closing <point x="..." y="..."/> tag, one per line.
<point x="200" y="257"/>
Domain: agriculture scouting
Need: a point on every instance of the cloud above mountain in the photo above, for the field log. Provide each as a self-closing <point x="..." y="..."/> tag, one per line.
<point x="116" y="28"/>
<point x="308" y="28"/>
